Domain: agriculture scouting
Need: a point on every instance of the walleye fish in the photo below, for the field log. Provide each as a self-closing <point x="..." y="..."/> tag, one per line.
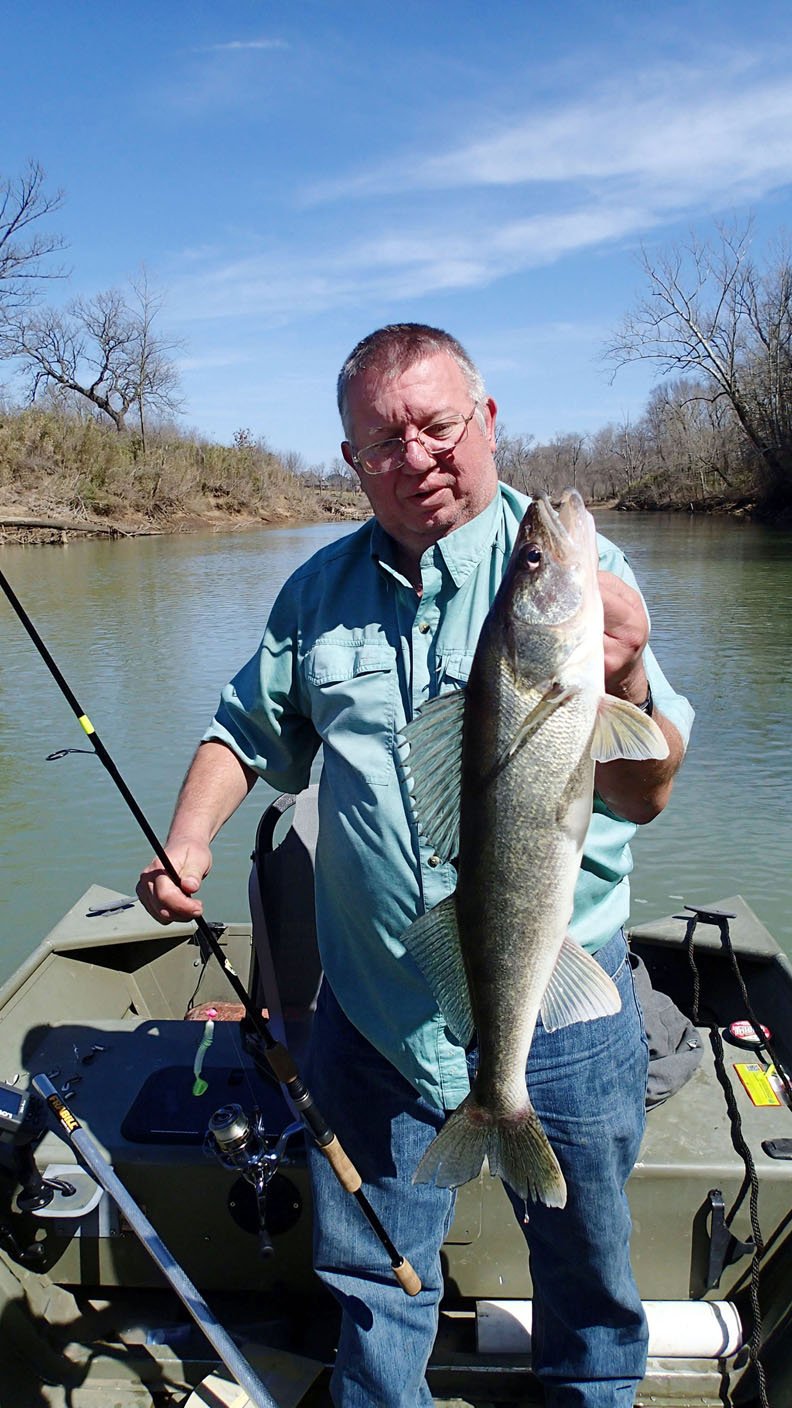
<point x="503" y="779"/>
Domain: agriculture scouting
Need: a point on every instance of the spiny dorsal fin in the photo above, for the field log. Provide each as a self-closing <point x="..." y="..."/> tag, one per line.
<point x="434" y="764"/>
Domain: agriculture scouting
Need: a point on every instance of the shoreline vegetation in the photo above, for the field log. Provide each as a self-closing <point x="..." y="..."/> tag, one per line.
<point x="64" y="474"/>
<point x="97" y="448"/>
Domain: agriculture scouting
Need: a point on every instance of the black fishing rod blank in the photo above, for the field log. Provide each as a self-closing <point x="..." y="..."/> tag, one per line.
<point x="278" y="1056"/>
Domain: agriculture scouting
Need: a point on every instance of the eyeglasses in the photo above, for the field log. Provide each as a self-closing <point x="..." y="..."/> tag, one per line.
<point x="439" y="438"/>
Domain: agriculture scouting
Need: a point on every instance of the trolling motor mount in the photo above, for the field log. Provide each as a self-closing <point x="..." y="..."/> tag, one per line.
<point x="262" y="1201"/>
<point x="22" y="1125"/>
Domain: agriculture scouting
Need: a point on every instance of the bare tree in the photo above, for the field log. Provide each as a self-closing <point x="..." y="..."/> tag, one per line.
<point x="697" y="437"/>
<point x="340" y="476"/>
<point x="571" y="461"/>
<point x="102" y="350"/>
<point x="604" y="476"/>
<point x="514" y="458"/>
<point x="23" y="250"/>
<point x="711" y="313"/>
<point x="155" y="372"/>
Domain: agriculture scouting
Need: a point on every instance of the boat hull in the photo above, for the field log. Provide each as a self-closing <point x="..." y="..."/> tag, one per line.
<point x="99" y="1009"/>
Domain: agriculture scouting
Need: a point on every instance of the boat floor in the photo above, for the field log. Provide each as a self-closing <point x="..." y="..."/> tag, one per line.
<point x="155" y="1363"/>
<point x="102" y="1330"/>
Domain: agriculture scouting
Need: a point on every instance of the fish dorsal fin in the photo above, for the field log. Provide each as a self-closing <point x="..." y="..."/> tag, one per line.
<point x="433" y="941"/>
<point x="434" y="764"/>
<point x="578" y="990"/>
<point x="624" y="731"/>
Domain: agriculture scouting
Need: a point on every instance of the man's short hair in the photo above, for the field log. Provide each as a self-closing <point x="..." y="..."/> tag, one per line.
<point x="399" y="345"/>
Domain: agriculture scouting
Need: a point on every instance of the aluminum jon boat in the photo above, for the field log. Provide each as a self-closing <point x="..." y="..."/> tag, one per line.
<point x="181" y="1140"/>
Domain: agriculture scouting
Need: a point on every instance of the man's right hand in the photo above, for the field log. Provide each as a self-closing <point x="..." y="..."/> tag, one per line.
<point x="164" y="901"/>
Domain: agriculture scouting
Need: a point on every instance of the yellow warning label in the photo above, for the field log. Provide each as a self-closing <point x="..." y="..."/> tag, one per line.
<point x="757" y="1084"/>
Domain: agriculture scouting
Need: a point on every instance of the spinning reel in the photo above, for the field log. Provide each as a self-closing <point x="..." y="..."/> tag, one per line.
<point x="262" y="1200"/>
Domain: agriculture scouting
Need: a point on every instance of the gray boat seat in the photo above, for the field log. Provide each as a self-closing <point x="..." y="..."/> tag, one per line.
<point x="286" y="971"/>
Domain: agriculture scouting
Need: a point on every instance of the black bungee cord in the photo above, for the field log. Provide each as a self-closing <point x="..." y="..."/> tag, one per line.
<point x="278" y="1057"/>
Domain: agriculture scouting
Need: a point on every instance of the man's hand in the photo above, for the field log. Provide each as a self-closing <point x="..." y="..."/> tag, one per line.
<point x="164" y="901"/>
<point x="215" y="785"/>
<point x="636" y="791"/>
<point x="626" y="634"/>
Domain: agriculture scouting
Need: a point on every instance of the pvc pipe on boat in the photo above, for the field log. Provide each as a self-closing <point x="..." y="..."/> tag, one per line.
<point x="678" y="1329"/>
<point x="188" y="1294"/>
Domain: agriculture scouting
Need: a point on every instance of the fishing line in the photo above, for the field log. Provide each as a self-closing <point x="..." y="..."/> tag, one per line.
<point x="277" y="1055"/>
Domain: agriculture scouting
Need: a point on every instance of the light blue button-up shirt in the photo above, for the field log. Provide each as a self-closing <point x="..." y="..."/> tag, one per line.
<point x="349" y="654"/>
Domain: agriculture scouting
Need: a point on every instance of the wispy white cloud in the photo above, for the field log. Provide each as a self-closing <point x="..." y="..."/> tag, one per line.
<point x="235" y="45"/>
<point x="613" y="166"/>
<point x="224" y="77"/>
<point x="213" y="361"/>
<point x="432" y="259"/>
<point x="679" y="127"/>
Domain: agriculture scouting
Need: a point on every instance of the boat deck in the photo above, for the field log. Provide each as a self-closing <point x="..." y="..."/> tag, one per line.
<point x="128" y="1077"/>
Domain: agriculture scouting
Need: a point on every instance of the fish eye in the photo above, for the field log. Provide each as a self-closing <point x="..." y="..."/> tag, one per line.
<point x="531" y="556"/>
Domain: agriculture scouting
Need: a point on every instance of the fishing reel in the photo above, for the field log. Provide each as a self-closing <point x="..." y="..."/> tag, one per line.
<point x="262" y="1200"/>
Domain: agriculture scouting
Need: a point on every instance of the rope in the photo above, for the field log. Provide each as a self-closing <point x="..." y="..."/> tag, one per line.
<point x="738" y="1140"/>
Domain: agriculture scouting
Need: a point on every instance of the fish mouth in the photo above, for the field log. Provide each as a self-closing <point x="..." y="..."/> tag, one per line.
<point x="563" y="531"/>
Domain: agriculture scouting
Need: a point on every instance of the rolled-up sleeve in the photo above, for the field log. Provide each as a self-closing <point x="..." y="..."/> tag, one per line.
<point x="673" y="706"/>
<point x="261" y="712"/>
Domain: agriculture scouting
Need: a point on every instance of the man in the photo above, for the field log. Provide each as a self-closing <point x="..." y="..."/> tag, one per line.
<point x="358" y="639"/>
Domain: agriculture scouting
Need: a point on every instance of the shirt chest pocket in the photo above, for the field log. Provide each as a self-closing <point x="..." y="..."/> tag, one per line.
<point x="353" y="691"/>
<point x="453" y="670"/>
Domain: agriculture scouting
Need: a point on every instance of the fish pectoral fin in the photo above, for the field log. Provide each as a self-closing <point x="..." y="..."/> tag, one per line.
<point x="623" y="731"/>
<point x="433" y="941"/>
<point x="555" y="694"/>
<point x="578" y="990"/>
<point x="434" y="767"/>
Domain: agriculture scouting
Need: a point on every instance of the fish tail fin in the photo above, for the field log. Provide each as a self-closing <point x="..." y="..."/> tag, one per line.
<point x="516" y="1148"/>
<point x="521" y="1154"/>
<point x="456" y="1154"/>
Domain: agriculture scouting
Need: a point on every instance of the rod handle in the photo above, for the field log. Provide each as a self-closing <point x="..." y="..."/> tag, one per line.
<point x="342" y="1166"/>
<point x="407" y="1277"/>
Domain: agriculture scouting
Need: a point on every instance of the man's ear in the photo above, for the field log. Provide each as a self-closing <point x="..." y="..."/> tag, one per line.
<point x="348" y="453"/>
<point x="490" y="411"/>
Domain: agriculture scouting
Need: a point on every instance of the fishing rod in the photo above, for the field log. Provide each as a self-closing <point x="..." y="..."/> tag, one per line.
<point x="177" y="1279"/>
<point x="278" y="1057"/>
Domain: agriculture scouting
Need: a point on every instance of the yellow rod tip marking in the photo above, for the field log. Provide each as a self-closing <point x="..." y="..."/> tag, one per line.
<point x="85" y="723"/>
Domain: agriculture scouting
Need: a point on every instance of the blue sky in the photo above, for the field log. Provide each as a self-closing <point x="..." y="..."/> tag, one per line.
<point x="293" y="175"/>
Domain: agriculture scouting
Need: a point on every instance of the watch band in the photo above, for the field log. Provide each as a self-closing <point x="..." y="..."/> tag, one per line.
<point x="648" y="705"/>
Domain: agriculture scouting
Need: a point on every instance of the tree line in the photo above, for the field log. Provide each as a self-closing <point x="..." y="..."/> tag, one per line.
<point x="715" y="320"/>
<point x="717" y="430"/>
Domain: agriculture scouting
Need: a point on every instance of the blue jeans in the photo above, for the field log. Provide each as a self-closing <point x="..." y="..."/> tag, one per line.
<point x="588" y="1084"/>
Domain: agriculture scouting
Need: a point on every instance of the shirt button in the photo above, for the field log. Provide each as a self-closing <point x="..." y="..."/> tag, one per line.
<point x="424" y="627"/>
<point x="434" y="861"/>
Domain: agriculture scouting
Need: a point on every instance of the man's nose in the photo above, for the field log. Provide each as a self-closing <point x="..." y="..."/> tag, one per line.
<point x="416" y="456"/>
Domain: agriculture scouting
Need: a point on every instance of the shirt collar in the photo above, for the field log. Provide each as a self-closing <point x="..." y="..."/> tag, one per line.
<point x="461" y="551"/>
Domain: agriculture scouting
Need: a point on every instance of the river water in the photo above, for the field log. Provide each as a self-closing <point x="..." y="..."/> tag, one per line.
<point x="147" y="630"/>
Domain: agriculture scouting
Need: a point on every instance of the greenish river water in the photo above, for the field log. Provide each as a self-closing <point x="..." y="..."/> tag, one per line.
<point x="147" y="630"/>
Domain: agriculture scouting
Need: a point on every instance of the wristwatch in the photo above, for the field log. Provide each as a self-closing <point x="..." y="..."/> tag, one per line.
<point x="648" y="705"/>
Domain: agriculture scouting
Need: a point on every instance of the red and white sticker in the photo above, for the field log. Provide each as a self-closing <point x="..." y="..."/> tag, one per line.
<point x="744" y="1033"/>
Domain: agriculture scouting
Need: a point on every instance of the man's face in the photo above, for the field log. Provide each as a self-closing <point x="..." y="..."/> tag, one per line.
<point x="429" y="496"/>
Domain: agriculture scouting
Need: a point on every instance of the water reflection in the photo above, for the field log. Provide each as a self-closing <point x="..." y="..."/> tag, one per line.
<point x="147" y="630"/>
<point x="721" y="597"/>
